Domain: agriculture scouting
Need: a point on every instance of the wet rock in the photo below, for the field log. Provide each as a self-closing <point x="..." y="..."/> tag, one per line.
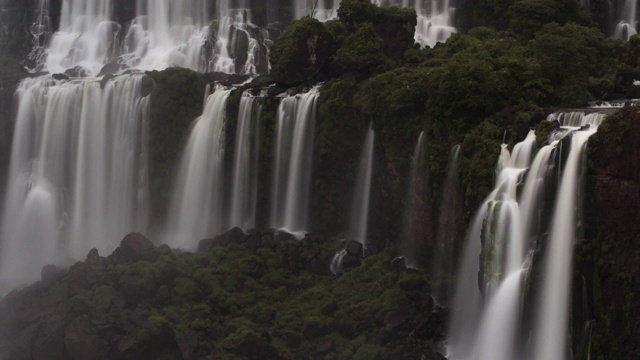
<point x="354" y="248"/>
<point x="81" y="277"/>
<point x="49" y="343"/>
<point x="81" y="341"/>
<point x="134" y="247"/>
<point x="77" y="72"/>
<point x="60" y="76"/>
<point x="233" y="235"/>
<point x="399" y="264"/>
<point x="110" y="69"/>
<point x="51" y="273"/>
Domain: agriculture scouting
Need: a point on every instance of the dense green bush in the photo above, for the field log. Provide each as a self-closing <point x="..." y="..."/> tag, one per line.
<point x="362" y="52"/>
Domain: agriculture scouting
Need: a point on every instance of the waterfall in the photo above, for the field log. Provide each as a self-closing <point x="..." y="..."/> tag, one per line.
<point x="78" y="175"/>
<point x="197" y="201"/>
<point x="359" y="217"/>
<point x="244" y="183"/>
<point x="39" y="30"/>
<point x="412" y="241"/>
<point x="435" y="17"/>
<point x="626" y="21"/>
<point x="164" y="33"/>
<point x="448" y="231"/>
<point x="84" y="38"/>
<point x="552" y="320"/>
<point x="505" y="231"/>
<point x="293" y="156"/>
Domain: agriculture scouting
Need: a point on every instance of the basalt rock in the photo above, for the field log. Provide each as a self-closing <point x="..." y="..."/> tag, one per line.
<point x="134" y="247"/>
<point x="608" y="261"/>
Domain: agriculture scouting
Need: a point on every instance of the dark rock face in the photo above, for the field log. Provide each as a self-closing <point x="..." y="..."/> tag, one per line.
<point x="82" y="341"/>
<point x="609" y="260"/>
<point x="397" y="33"/>
<point x="134" y="247"/>
<point x="301" y="52"/>
<point x="227" y="237"/>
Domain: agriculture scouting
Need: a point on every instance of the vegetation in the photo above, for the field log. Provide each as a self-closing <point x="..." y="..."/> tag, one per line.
<point x="176" y="101"/>
<point x="241" y="303"/>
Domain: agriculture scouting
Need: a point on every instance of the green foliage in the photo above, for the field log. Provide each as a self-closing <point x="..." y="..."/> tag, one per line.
<point x="480" y="151"/>
<point x="394" y="101"/>
<point x="301" y="51"/>
<point x="529" y="16"/>
<point x="362" y="52"/>
<point x="176" y="101"/>
<point x="239" y="312"/>
<point x="557" y="46"/>
<point x="480" y="79"/>
<point x="356" y="12"/>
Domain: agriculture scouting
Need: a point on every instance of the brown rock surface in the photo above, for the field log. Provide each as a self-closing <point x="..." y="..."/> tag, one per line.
<point x="613" y="218"/>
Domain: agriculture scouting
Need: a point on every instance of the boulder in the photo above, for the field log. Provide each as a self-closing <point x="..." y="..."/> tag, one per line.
<point x="77" y="72"/>
<point x="399" y="264"/>
<point x="51" y="273"/>
<point x="49" y="343"/>
<point x="233" y="235"/>
<point x="110" y="69"/>
<point x="81" y="341"/>
<point x="134" y="247"/>
<point x="354" y="248"/>
<point x="60" y="77"/>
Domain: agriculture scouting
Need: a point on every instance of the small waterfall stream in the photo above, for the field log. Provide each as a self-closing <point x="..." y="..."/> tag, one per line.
<point x="78" y="175"/>
<point x="627" y="23"/>
<point x="196" y="208"/>
<point x="411" y="245"/>
<point x="359" y="215"/>
<point x="244" y="183"/>
<point x="503" y="232"/>
<point x="359" y="218"/>
<point x="292" y="161"/>
<point x="435" y="17"/>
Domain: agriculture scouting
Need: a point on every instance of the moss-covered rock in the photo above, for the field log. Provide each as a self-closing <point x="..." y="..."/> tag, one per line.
<point x="177" y="100"/>
<point x="301" y="52"/>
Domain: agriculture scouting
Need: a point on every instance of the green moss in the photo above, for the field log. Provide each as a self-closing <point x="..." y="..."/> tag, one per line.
<point x="176" y="101"/>
<point x="362" y="52"/>
<point x="289" y="54"/>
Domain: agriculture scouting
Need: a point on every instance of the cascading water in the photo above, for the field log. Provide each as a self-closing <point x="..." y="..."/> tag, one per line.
<point x="197" y="202"/>
<point x="411" y="242"/>
<point x="435" y="17"/>
<point x="244" y="184"/>
<point x="627" y="22"/>
<point x="322" y="10"/>
<point x="359" y="217"/>
<point x="292" y="160"/>
<point x="550" y="333"/>
<point x="505" y="231"/>
<point x="164" y="33"/>
<point x="78" y="176"/>
<point x="448" y="231"/>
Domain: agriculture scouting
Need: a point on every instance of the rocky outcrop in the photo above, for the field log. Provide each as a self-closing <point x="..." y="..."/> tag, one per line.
<point x="301" y="52"/>
<point x="609" y="259"/>
<point x="259" y="295"/>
